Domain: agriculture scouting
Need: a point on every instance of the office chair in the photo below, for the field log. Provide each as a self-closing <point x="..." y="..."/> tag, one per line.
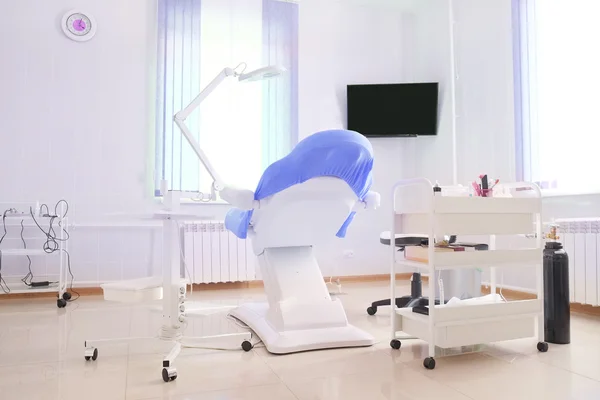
<point x="416" y="285"/>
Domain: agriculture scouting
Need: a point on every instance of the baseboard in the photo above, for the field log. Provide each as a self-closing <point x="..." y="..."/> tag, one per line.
<point x="585" y="309"/>
<point x="508" y="292"/>
<point x="512" y="294"/>
<point x="97" y="291"/>
<point x="82" y="291"/>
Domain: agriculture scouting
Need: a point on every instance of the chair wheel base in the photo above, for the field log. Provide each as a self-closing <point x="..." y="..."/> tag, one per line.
<point x="429" y="363"/>
<point x="246" y="346"/>
<point x="169" y="374"/>
<point x="395" y="344"/>
<point x="542" y="347"/>
<point x="371" y="310"/>
<point x="91" y="354"/>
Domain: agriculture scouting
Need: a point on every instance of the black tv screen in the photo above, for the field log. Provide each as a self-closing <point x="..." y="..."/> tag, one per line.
<point x="403" y="109"/>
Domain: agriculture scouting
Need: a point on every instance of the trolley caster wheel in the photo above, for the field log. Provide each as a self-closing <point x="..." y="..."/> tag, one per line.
<point x="169" y="374"/>
<point x="61" y="303"/>
<point x="395" y="344"/>
<point x="246" y="346"/>
<point x="542" y="347"/>
<point x="371" y="310"/>
<point x="429" y="363"/>
<point x="91" y="354"/>
<point x="66" y="296"/>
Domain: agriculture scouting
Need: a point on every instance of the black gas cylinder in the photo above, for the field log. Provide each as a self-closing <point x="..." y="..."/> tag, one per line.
<point x="557" y="307"/>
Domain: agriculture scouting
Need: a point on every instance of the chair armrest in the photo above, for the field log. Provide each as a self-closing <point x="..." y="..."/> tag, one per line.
<point x="240" y="198"/>
<point x="371" y="202"/>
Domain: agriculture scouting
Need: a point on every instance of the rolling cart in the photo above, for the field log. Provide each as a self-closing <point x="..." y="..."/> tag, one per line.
<point x="417" y="209"/>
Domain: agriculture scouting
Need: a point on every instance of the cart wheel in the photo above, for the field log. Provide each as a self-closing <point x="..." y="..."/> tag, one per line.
<point x="246" y="345"/>
<point x="429" y="363"/>
<point x="61" y="303"/>
<point x="395" y="344"/>
<point x="91" y="354"/>
<point x="169" y="374"/>
<point x="66" y="296"/>
<point x="371" y="310"/>
<point x="542" y="347"/>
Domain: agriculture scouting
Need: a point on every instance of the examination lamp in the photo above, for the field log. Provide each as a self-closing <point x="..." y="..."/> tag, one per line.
<point x="179" y="118"/>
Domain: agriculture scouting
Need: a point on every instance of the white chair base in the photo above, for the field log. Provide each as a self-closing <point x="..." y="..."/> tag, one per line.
<point x="299" y="313"/>
<point x="255" y="316"/>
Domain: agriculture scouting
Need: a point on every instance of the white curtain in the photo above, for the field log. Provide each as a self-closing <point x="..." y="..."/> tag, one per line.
<point x="243" y="127"/>
<point x="559" y="64"/>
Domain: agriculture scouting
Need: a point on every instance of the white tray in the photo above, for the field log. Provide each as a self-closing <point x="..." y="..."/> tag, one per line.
<point x="473" y="324"/>
<point x="489" y="258"/>
<point x="472" y="216"/>
<point x="135" y="290"/>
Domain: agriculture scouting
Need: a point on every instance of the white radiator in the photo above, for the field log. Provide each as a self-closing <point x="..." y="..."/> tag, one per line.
<point x="213" y="254"/>
<point x="581" y="240"/>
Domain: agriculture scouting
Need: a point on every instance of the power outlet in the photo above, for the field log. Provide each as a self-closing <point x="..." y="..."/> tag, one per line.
<point x="348" y="253"/>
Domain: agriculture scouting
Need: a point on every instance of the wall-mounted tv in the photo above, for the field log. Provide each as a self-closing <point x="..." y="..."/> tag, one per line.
<point x="386" y="110"/>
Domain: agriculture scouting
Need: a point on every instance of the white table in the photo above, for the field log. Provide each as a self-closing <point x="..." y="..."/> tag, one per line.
<point x="173" y="297"/>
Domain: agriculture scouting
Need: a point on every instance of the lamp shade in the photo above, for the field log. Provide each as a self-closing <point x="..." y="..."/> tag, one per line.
<point x="262" y="73"/>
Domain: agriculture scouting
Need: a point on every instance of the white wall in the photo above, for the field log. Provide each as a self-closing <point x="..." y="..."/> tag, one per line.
<point x="484" y="88"/>
<point x="485" y="103"/>
<point x="347" y="42"/>
<point x="76" y="121"/>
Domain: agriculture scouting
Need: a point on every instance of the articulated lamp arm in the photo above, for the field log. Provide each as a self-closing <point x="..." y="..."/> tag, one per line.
<point x="182" y="115"/>
<point x="238" y="197"/>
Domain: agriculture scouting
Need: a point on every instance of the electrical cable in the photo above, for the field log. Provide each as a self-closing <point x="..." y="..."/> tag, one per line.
<point x="72" y="277"/>
<point x="242" y="325"/>
<point x="502" y="286"/>
<point x="3" y="284"/>
<point x="4" y="225"/>
<point x="230" y="317"/>
<point x="47" y="210"/>
<point x="29" y="274"/>
<point x="183" y="259"/>
<point x="441" y="287"/>
<point x="51" y="244"/>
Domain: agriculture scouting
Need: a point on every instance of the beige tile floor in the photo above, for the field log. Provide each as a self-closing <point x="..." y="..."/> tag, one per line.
<point x="41" y="357"/>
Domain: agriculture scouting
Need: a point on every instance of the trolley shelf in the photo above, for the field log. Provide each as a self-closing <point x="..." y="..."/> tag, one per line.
<point x="467" y="224"/>
<point x="474" y="205"/>
<point x="20" y="288"/>
<point x="25" y="252"/>
<point x="470" y="259"/>
<point x="467" y="332"/>
<point x="469" y="314"/>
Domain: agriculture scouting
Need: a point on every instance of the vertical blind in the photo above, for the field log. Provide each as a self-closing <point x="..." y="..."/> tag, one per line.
<point x="557" y="71"/>
<point x="243" y="127"/>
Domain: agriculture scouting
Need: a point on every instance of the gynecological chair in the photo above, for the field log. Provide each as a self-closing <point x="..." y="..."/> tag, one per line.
<point x="303" y="200"/>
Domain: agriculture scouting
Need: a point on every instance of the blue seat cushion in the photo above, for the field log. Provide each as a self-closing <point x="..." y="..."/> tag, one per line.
<point x="341" y="154"/>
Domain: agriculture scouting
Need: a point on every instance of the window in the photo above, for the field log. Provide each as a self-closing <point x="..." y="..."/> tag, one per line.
<point x="243" y="127"/>
<point x="558" y="77"/>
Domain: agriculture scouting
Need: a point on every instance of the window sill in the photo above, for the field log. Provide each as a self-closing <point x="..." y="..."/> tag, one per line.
<point x="186" y="202"/>
<point x="568" y="193"/>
